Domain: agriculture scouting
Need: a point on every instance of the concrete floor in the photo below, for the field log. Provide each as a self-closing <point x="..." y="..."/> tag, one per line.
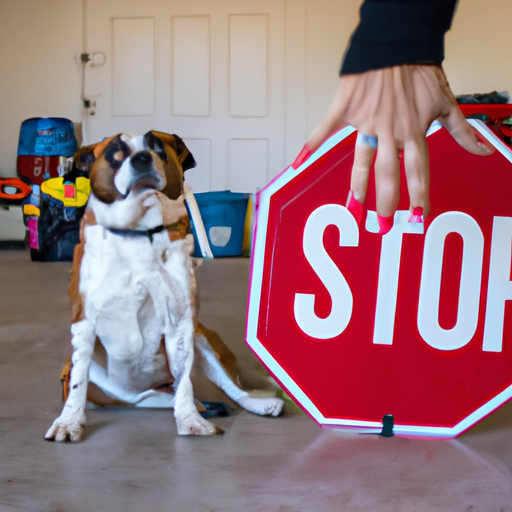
<point x="132" y="460"/>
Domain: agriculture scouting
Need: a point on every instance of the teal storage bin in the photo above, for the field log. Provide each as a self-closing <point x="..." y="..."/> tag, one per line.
<point x="223" y="215"/>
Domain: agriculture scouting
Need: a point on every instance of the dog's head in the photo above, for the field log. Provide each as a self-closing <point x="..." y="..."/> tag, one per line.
<point x="155" y="160"/>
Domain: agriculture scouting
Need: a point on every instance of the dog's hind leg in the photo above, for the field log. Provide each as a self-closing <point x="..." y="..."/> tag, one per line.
<point x="213" y="369"/>
<point x="152" y="398"/>
<point x="181" y="354"/>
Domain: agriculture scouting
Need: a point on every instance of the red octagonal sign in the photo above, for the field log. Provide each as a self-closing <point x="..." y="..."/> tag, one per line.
<point x="414" y="324"/>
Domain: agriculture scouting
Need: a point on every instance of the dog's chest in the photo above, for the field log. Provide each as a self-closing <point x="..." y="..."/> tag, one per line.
<point x="133" y="288"/>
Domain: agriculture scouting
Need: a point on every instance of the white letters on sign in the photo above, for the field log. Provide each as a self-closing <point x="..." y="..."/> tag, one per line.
<point x="470" y="280"/>
<point x="389" y="271"/>
<point x="342" y="301"/>
<point x="499" y="288"/>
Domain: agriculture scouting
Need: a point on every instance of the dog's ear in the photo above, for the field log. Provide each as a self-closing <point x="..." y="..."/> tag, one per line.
<point x="176" y="158"/>
<point x="85" y="156"/>
<point x="109" y="158"/>
<point x="101" y="146"/>
<point x="184" y="155"/>
<point x="186" y="158"/>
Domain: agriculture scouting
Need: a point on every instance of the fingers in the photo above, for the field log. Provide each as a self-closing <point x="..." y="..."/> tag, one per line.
<point x="455" y="122"/>
<point x="320" y="134"/>
<point x="333" y="118"/>
<point x="398" y="105"/>
<point x="417" y="171"/>
<point x="331" y="122"/>
<point x="364" y="152"/>
<point x="363" y="158"/>
<point x="387" y="180"/>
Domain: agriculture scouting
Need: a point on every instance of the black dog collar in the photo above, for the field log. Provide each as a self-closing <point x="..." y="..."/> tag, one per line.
<point x="133" y="233"/>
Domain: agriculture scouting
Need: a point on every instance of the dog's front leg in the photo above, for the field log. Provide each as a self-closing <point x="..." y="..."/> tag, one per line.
<point x="180" y="352"/>
<point x="69" y="425"/>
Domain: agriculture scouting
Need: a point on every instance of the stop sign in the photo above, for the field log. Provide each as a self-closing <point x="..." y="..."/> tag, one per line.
<point x="416" y="324"/>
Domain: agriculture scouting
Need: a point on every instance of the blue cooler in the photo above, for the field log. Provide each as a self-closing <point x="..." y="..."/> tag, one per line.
<point x="224" y="215"/>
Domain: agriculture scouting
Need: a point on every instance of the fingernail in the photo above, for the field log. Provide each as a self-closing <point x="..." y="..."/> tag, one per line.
<point x="385" y="224"/>
<point x="304" y="154"/>
<point x="481" y="142"/>
<point x="485" y="148"/>
<point x="416" y="215"/>
<point x="355" y="207"/>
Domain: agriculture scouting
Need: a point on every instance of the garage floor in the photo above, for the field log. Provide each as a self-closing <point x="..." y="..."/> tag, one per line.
<point x="132" y="460"/>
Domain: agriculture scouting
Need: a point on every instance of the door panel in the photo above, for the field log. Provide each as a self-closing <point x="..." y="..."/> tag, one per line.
<point x="248" y="64"/>
<point x="190" y="73"/>
<point x="132" y="49"/>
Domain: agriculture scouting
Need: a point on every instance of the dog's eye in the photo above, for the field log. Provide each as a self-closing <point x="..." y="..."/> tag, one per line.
<point x="162" y="154"/>
<point x="116" y="153"/>
<point x="119" y="156"/>
<point x="155" y="144"/>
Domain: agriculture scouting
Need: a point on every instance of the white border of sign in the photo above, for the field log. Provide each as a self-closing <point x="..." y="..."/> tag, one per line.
<point x="256" y="280"/>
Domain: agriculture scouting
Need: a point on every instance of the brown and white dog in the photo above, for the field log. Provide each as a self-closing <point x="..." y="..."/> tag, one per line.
<point x="135" y="335"/>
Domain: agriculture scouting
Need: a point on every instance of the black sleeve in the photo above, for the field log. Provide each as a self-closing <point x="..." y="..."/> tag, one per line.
<point x="396" y="32"/>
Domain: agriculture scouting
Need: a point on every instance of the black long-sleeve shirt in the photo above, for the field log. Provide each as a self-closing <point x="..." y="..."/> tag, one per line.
<point x="396" y="32"/>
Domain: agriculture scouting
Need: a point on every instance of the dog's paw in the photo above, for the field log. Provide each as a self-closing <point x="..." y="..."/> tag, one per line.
<point x="66" y="429"/>
<point x="148" y="198"/>
<point x="195" y="425"/>
<point x="130" y="211"/>
<point x="272" y="406"/>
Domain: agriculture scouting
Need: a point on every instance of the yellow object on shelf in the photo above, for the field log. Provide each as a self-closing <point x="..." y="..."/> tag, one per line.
<point x="55" y="188"/>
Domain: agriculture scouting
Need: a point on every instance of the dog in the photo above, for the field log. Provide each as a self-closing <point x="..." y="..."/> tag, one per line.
<point x="135" y="333"/>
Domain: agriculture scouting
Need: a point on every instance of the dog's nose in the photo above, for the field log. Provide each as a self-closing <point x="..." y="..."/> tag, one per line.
<point x="140" y="161"/>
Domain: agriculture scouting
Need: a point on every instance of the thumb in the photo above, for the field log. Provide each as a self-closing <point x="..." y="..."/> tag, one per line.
<point x="459" y="128"/>
<point x="329" y="125"/>
<point x="332" y="120"/>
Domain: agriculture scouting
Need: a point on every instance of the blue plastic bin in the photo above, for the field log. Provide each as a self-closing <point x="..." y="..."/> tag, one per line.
<point x="223" y="215"/>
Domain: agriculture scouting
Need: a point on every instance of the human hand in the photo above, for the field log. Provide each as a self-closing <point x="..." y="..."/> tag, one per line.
<point x="394" y="106"/>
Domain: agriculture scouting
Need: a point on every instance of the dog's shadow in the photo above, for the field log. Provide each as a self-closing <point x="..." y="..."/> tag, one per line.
<point x="92" y="428"/>
<point x="105" y="418"/>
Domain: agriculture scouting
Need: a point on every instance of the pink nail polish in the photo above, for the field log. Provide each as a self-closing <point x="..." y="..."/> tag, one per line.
<point x="416" y="215"/>
<point x="385" y="224"/>
<point x="355" y="207"/>
<point x="304" y="154"/>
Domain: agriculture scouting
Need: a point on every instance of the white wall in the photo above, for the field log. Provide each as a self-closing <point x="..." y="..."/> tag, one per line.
<point x="478" y="48"/>
<point x="39" y="77"/>
<point x="39" y="38"/>
<point x="329" y="26"/>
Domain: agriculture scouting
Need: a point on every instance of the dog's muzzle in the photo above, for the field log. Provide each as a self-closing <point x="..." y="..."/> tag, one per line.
<point x="144" y="174"/>
<point x="142" y="162"/>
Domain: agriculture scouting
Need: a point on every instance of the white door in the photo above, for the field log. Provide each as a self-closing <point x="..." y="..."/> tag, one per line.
<point x="211" y="71"/>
